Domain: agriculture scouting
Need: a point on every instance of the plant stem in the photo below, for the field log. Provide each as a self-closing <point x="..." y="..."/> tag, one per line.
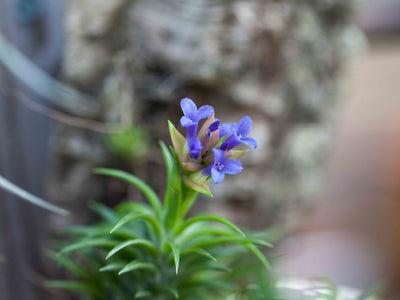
<point x="188" y="202"/>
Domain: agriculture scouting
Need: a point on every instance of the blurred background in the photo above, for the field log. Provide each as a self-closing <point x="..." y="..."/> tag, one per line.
<point x="92" y="83"/>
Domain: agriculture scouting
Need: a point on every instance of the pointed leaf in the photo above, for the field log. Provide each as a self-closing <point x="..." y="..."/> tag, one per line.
<point x="112" y="267"/>
<point x="201" y="252"/>
<point x="177" y="254"/>
<point x="156" y="225"/>
<point x="211" y="242"/>
<point x="169" y="163"/>
<point x="213" y="140"/>
<point x="68" y="264"/>
<point x="206" y="231"/>
<point x="88" y="244"/>
<point x="259" y="255"/>
<point x="178" y="140"/>
<point x="206" y="125"/>
<point x="208" y="218"/>
<point x="105" y="212"/>
<point x="87" y="231"/>
<point x="173" y="188"/>
<point x="200" y="186"/>
<point x="236" y="154"/>
<point x="76" y="286"/>
<point x="137" y="265"/>
<point x="192" y="167"/>
<point x="12" y="188"/>
<point x="146" y="189"/>
<point x="142" y="294"/>
<point x="261" y="243"/>
<point x="174" y="292"/>
<point x="139" y="242"/>
<point x="129" y="207"/>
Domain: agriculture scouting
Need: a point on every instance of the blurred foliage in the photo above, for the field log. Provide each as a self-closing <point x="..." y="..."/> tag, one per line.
<point x="131" y="143"/>
<point x="197" y="265"/>
<point x="23" y="194"/>
<point x="154" y="251"/>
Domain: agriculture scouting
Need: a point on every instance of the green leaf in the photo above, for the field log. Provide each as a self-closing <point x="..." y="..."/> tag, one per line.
<point x="205" y="218"/>
<point x="13" y="189"/>
<point x="198" y="184"/>
<point x="142" y="294"/>
<point x="208" y="232"/>
<point x="189" y="198"/>
<point x="374" y="292"/>
<point x="201" y="252"/>
<point x="88" y="244"/>
<point x="192" y="166"/>
<point x="215" y="241"/>
<point x="146" y="189"/>
<point x="69" y="264"/>
<point x="137" y="265"/>
<point x="261" y="243"/>
<point x="129" y="207"/>
<point x="259" y="255"/>
<point x="76" y="286"/>
<point x="236" y="154"/>
<point x="174" y="292"/>
<point x="105" y="212"/>
<point x="137" y="242"/>
<point x="169" y="163"/>
<point x="173" y="192"/>
<point x="178" y="140"/>
<point x="156" y="225"/>
<point x="87" y="231"/>
<point x="112" y="267"/>
<point x="177" y="254"/>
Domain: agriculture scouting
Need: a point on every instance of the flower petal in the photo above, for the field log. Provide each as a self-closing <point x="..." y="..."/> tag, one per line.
<point x="204" y="112"/>
<point x="214" y="126"/>
<point x="225" y="129"/>
<point x="232" y="166"/>
<point x="207" y="171"/>
<point x="234" y="128"/>
<point x="244" y="126"/>
<point x="231" y="142"/>
<point x="186" y="122"/>
<point x="219" y="155"/>
<point x="217" y="177"/>
<point x="189" y="109"/>
<point x="249" y="141"/>
<point x="195" y="147"/>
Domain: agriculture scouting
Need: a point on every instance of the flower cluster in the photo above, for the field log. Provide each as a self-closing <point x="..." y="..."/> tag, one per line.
<point x="208" y="151"/>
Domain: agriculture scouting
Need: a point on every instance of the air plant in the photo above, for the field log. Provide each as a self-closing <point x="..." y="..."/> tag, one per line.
<point x="154" y="250"/>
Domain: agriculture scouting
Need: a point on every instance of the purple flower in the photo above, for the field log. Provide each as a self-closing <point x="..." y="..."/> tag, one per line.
<point x="238" y="134"/>
<point x="195" y="147"/>
<point x="224" y="129"/>
<point x="222" y="166"/>
<point x="192" y="116"/>
<point x="214" y="126"/>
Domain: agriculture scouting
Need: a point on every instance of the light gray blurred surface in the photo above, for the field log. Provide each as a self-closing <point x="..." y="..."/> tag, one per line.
<point x="24" y="140"/>
<point x="380" y="15"/>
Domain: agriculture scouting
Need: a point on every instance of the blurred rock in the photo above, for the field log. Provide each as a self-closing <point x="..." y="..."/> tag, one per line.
<point x="278" y="61"/>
